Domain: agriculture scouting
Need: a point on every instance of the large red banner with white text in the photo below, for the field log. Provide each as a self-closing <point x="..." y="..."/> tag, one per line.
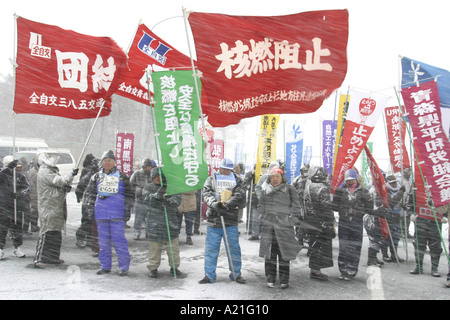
<point x="254" y="65"/>
<point x="363" y="113"/>
<point x="432" y="145"/>
<point x="64" y="73"/>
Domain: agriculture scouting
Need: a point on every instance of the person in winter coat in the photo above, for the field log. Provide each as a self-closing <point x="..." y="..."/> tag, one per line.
<point x="138" y="181"/>
<point x="252" y="205"/>
<point x="26" y="186"/>
<point x="223" y="194"/>
<point x="188" y="209"/>
<point x="428" y="233"/>
<point x="110" y="201"/>
<point x="34" y="212"/>
<point x="84" y="233"/>
<point x="395" y="196"/>
<point x="373" y="224"/>
<point x="10" y="214"/>
<point x="299" y="184"/>
<point x="52" y="191"/>
<point x="319" y="222"/>
<point x="279" y="212"/>
<point x="352" y="201"/>
<point x="162" y="220"/>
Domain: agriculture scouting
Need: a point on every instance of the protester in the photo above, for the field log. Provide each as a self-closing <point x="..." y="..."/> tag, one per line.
<point x="34" y="212"/>
<point x="162" y="224"/>
<point x="187" y="209"/>
<point x="110" y="201"/>
<point x="352" y="202"/>
<point x="252" y="205"/>
<point x="26" y="187"/>
<point x="395" y="196"/>
<point x="224" y="194"/>
<point x="428" y="233"/>
<point x="299" y="184"/>
<point x="139" y="180"/>
<point x="84" y="233"/>
<point x="52" y="190"/>
<point x="10" y="217"/>
<point x="280" y="212"/>
<point x="319" y="222"/>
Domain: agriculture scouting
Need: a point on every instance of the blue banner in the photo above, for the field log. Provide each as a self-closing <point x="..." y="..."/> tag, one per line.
<point x="294" y="151"/>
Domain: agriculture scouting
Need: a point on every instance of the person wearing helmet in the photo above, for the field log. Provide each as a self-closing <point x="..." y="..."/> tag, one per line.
<point x="224" y="194"/>
<point x="352" y="201"/>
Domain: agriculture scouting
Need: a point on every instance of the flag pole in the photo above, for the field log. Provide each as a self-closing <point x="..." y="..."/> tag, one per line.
<point x="89" y="135"/>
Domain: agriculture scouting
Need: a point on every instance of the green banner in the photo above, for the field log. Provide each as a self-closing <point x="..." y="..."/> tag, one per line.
<point x="177" y="118"/>
<point x="365" y="172"/>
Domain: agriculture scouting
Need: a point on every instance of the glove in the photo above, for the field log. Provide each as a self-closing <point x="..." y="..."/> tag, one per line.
<point x="75" y="171"/>
<point x="160" y="193"/>
<point x="382" y="212"/>
<point x="13" y="164"/>
<point x="67" y="188"/>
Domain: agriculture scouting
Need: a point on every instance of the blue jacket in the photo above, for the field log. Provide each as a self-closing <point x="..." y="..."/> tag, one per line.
<point x="110" y="196"/>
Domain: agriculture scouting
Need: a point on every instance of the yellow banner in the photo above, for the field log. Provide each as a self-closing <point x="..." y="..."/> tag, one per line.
<point x="267" y="144"/>
<point x="344" y="100"/>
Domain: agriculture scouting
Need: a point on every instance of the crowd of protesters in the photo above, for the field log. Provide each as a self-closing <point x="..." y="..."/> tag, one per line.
<point x="284" y="218"/>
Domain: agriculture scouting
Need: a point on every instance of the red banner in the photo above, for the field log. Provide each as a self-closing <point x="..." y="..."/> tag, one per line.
<point x="254" y="65"/>
<point x="148" y="51"/>
<point x="380" y="186"/>
<point x="217" y="151"/>
<point x="63" y="73"/>
<point x="362" y="115"/>
<point x="124" y="152"/>
<point x="423" y="107"/>
<point x="396" y="139"/>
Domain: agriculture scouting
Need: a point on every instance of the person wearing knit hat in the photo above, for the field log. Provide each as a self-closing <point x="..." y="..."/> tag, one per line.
<point x="110" y="199"/>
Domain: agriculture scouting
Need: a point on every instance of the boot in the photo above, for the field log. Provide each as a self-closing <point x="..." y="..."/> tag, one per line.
<point x="372" y="258"/>
<point x="384" y="252"/>
<point x="419" y="265"/>
<point x="434" y="265"/>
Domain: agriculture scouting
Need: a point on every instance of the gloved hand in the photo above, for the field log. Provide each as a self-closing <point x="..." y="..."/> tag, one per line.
<point x="13" y="164"/>
<point x="75" y="171"/>
<point x="160" y="193"/>
<point x="382" y="212"/>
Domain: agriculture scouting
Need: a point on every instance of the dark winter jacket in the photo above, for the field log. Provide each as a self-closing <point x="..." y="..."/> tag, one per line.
<point x="160" y="204"/>
<point x="352" y="205"/>
<point x="231" y="207"/>
<point x="279" y="211"/>
<point x="113" y="204"/>
<point x="319" y="215"/>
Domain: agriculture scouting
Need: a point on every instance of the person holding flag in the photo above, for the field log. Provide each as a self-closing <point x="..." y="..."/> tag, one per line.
<point x="224" y="194"/>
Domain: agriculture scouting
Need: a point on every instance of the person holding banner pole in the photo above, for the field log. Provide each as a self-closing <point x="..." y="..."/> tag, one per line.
<point x="224" y="194"/>
<point x="162" y="223"/>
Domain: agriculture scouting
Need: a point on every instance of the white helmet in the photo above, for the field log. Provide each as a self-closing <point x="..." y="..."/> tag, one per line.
<point x="7" y="160"/>
<point x="48" y="159"/>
